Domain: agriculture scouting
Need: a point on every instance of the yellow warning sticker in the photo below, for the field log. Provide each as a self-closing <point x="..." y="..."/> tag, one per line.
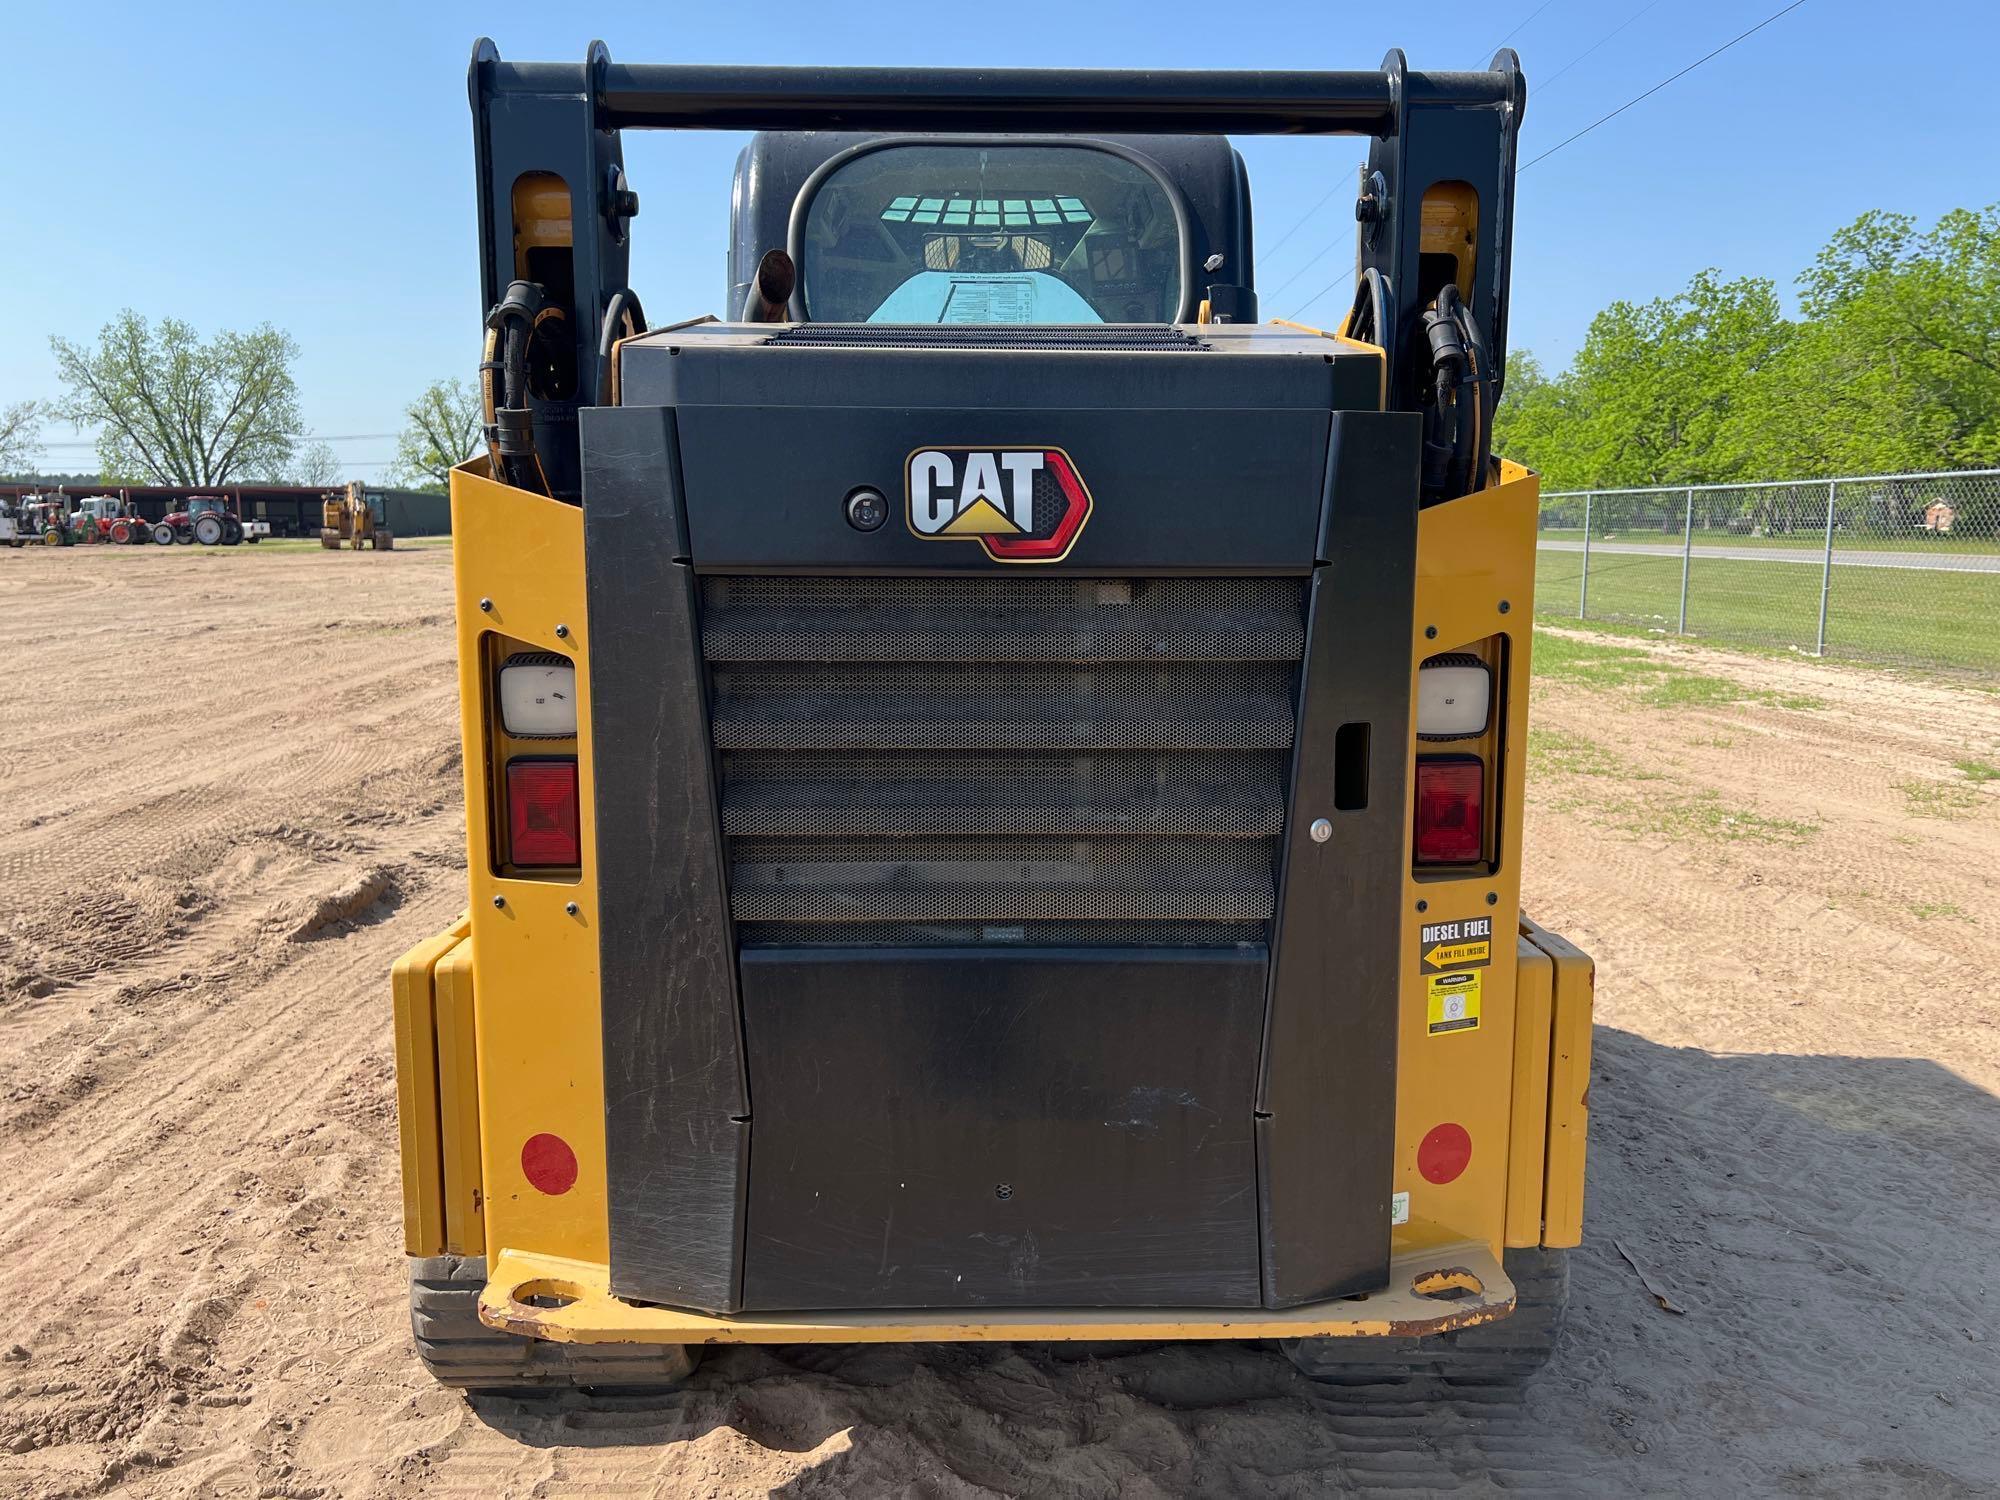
<point x="1454" y="1002"/>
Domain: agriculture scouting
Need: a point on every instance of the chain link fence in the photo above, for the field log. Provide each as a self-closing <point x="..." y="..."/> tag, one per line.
<point x="1896" y="568"/>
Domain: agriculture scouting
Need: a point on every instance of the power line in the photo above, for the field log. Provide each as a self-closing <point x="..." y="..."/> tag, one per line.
<point x="1742" y="36"/>
<point x="1664" y="82"/>
<point x="1315" y="260"/>
<point x="1302" y="220"/>
<point x="1542" y="86"/>
<point x="1323" y="254"/>
<point x="1339" y="281"/>
<point x="1311" y="260"/>
<point x="1517" y="30"/>
<point x="1285" y="238"/>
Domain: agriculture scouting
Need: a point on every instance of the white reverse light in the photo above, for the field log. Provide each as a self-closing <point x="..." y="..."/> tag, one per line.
<point x="1454" y="695"/>
<point x="538" y="696"/>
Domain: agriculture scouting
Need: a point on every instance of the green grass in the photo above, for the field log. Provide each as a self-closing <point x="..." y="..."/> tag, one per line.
<point x="311" y="543"/>
<point x="1677" y="815"/>
<point x="1935" y="619"/>
<point x="1978" y="770"/>
<point x="1558" y="752"/>
<point x="1705" y="816"/>
<point x="1561" y="658"/>
<point x="1690" y="817"/>
<point x="1926" y="910"/>
<point x="1937" y="799"/>
<point x="290" y="544"/>
<point x="1797" y="541"/>
<point x="1654" y="681"/>
<point x="1698" y="690"/>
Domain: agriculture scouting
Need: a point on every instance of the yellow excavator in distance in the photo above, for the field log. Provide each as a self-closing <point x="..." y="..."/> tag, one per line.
<point x="355" y="517"/>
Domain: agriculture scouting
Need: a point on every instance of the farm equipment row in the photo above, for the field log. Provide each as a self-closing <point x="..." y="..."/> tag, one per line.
<point x="101" y="519"/>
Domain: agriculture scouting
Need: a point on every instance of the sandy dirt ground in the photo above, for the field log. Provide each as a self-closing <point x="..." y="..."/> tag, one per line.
<point x="231" y="798"/>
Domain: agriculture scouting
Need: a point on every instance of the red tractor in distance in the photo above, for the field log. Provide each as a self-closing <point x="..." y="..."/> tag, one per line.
<point x="208" y="520"/>
<point x="103" y="518"/>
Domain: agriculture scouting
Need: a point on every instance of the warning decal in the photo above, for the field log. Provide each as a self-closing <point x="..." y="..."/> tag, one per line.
<point x="1466" y="944"/>
<point x="1453" y="1003"/>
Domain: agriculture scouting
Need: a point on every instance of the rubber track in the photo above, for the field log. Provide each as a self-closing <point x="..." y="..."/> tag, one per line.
<point x="463" y="1352"/>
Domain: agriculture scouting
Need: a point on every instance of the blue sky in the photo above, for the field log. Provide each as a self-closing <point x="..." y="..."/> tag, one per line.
<point x="311" y="165"/>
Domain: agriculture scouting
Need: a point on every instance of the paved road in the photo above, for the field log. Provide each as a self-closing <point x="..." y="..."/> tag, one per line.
<point x="1843" y="557"/>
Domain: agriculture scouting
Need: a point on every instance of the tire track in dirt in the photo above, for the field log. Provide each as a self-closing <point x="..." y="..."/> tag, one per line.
<point x="288" y="1091"/>
<point x="237" y="1086"/>
<point x="239" y="924"/>
<point x="1795" y="1125"/>
<point x="79" y="867"/>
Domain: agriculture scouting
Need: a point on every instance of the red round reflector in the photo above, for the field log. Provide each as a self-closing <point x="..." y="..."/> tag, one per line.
<point x="549" y="1164"/>
<point x="1444" y="1153"/>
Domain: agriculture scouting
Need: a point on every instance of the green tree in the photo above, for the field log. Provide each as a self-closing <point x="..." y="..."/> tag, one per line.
<point x="20" y="436"/>
<point x="1656" y="394"/>
<point x="1893" y="365"/>
<point x="443" y="428"/>
<point x="1661" y="383"/>
<point x="173" y="409"/>
<point x="1909" y="361"/>
<point x="315" y="463"/>
<point x="1540" y="418"/>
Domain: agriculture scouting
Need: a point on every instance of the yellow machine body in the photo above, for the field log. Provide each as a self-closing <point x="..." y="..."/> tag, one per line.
<point x="347" y="518"/>
<point x="499" y="1037"/>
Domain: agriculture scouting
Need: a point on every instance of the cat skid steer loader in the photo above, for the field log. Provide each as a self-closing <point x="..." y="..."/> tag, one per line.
<point x="993" y="777"/>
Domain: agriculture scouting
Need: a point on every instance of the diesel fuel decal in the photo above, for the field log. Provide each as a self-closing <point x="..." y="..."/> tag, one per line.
<point x="1466" y="944"/>
<point x="1453" y="1003"/>
<point x="1022" y="505"/>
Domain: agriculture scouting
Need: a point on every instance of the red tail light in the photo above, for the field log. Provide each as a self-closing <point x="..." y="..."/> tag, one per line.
<point x="1451" y="824"/>
<point x="542" y="827"/>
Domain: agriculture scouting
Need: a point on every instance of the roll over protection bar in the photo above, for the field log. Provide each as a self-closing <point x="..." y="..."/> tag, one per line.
<point x="1427" y="128"/>
<point x="1000" y="100"/>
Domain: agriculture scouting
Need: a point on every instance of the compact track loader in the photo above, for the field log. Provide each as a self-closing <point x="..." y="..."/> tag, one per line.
<point x="993" y="777"/>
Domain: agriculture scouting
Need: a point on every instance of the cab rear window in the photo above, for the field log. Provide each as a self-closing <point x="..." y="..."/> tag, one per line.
<point x="992" y="234"/>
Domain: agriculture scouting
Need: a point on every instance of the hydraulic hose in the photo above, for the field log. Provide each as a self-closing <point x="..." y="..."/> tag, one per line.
<point x="1444" y="432"/>
<point x="1458" y="414"/>
<point x="1487" y="394"/>
<point x="489" y="366"/>
<point x="623" y="319"/>
<point x="1371" y="315"/>
<point x="514" y="363"/>
<point x="510" y="430"/>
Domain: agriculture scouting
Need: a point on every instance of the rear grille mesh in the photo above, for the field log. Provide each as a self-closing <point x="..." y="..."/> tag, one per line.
<point x="925" y="795"/>
<point x="926" y="761"/>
